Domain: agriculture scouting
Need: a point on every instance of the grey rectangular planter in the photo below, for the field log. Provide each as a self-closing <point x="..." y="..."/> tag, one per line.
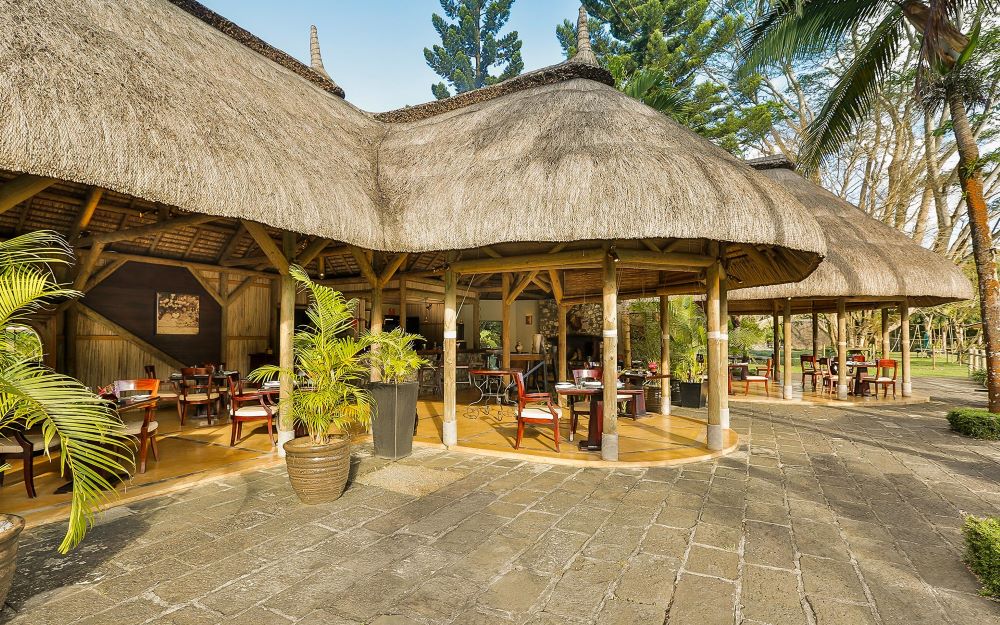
<point x="393" y="418"/>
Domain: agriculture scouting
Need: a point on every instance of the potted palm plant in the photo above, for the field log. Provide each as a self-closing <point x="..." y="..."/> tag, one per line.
<point x="329" y="399"/>
<point x="396" y="362"/>
<point x="688" y="342"/>
<point x="91" y="438"/>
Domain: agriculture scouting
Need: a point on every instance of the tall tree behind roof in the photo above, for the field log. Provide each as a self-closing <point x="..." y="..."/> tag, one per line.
<point x="472" y="45"/>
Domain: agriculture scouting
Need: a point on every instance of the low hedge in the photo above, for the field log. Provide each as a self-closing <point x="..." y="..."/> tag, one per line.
<point x="975" y="422"/>
<point x="982" y="551"/>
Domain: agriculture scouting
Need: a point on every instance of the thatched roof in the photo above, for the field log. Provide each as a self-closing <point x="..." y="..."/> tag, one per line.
<point x="867" y="261"/>
<point x="166" y="101"/>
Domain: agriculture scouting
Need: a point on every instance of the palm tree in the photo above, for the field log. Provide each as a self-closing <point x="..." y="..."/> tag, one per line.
<point x="791" y="29"/>
<point x="91" y="436"/>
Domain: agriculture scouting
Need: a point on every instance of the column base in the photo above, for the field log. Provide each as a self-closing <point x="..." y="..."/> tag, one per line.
<point x="841" y="391"/>
<point x="609" y="447"/>
<point x="283" y="437"/>
<point x="724" y="418"/>
<point x="715" y="439"/>
<point x="787" y="392"/>
<point x="449" y="433"/>
<point x="907" y="389"/>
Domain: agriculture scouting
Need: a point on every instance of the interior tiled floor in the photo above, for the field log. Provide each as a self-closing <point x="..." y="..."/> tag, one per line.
<point x="824" y="516"/>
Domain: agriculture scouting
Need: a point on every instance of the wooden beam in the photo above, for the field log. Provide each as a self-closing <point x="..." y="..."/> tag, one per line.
<point x="653" y="247"/>
<point x="365" y="265"/>
<point x="489" y="251"/>
<point x="15" y="191"/>
<point x="239" y="290"/>
<point x="128" y="336"/>
<point x="186" y="221"/>
<point x="103" y="274"/>
<point x="253" y="261"/>
<point x="219" y="298"/>
<point x="171" y="262"/>
<point x="520" y="286"/>
<point x="675" y="261"/>
<point x="86" y="213"/>
<point x="557" y="287"/>
<point x="391" y="269"/>
<point x="530" y="262"/>
<point x="268" y="246"/>
<point x="314" y="249"/>
<point x="233" y="243"/>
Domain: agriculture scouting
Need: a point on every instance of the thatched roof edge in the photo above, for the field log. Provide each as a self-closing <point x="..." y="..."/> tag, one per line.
<point x="546" y="76"/>
<point x="258" y="45"/>
<point x="777" y="161"/>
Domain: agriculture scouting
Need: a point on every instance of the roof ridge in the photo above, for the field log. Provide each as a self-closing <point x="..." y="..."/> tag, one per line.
<point x="772" y="161"/>
<point x="258" y="45"/>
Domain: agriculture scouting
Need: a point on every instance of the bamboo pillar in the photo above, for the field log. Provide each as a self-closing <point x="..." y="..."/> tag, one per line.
<point x="886" y="348"/>
<point x="724" y="329"/>
<point x="664" y="368"/>
<point x="505" y="341"/>
<point x="609" y="440"/>
<point x="286" y="357"/>
<point x="841" y="349"/>
<point x="403" y="297"/>
<point x="563" y="344"/>
<point x="815" y="333"/>
<point x="375" y="326"/>
<point x="904" y="346"/>
<point x="717" y="394"/>
<point x="224" y="318"/>
<point x="627" y="339"/>
<point x="450" y="428"/>
<point x="776" y="344"/>
<point x="786" y="335"/>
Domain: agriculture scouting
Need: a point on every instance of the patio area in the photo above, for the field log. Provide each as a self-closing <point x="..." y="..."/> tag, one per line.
<point x="844" y="515"/>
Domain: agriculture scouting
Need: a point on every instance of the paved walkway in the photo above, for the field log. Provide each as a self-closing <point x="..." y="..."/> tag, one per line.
<point x="825" y="516"/>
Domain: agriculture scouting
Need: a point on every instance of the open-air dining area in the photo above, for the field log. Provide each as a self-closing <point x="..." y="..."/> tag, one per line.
<point x="534" y="352"/>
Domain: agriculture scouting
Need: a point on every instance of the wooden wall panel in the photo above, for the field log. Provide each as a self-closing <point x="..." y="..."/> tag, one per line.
<point x="104" y="357"/>
<point x="249" y="317"/>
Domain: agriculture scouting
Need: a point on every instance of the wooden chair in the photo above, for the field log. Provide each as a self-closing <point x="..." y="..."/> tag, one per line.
<point x="579" y="406"/>
<point x="535" y="408"/>
<point x="144" y="430"/>
<point x="760" y="376"/>
<point x="197" y="388"/>
<point x="830" y="375"/>
<point x="880" y="378"/>
<point x="808" y="364"/>
<point x="168" y="389"/>
<point x="26" y="446"/>
<point x="247" y="406"/>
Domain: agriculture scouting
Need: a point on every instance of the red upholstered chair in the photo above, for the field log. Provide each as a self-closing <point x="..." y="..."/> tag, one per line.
<point x="144" y="430"/>
<point x="246" y="405"/>
<point x="535" y="408"/>
<point x="878" y="378"/>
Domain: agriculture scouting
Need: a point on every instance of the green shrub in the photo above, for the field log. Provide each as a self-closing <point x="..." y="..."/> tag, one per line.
<point x="979" y="377"/>
<point x="982" y="551"/>
<point x="975" y="422"/>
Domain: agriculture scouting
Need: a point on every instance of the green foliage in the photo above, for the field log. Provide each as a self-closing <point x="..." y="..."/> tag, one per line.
<point x="471" y="45"/>
<point x="394" y="357"/>
<point x="90" y="433"/>
<point x="331" y="365"/>
<point x="747" y="333"/>
<point x="982" y="551"/>
<point x="979" y="377"/>
<point x="975" y="422"/>
<point x="685" y="42"/>
<point x="489" y="339"/>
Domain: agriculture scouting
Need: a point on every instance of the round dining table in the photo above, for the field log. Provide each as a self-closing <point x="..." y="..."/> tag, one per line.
<point x="595" y="423"/>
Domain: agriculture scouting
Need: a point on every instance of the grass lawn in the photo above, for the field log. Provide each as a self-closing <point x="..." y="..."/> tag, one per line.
<point x="921" y="366"/>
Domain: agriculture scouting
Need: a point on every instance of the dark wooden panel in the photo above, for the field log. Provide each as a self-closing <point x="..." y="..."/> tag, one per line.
<point x="128" y="297"/>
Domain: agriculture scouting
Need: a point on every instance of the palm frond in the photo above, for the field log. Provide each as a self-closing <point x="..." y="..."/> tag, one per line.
<point x="851" y="98"/>
<point x="37" y="248"/>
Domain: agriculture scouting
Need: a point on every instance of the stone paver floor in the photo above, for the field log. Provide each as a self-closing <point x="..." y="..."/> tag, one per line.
<point x="824" y="516"/>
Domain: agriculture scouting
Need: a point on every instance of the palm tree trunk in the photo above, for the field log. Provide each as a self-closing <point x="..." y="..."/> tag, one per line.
<point x="970" y="175"/>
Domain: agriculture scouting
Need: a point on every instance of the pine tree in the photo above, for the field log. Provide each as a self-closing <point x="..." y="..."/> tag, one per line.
<point x="471" y="47"/>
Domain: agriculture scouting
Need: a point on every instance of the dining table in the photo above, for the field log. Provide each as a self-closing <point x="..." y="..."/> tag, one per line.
<point x="858" y="368"/>
<point x="492" y="384"/>
<point x="595" y="422"/>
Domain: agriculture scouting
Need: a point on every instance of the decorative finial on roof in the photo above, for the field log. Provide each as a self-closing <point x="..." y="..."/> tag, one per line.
<point x="584" y="54"/>
<point x="315" y="58"/>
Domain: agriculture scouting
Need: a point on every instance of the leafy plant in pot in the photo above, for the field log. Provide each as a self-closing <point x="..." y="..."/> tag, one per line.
<point x="688" y="342"/>
<point x="329" y="398"/>
<point x="396" y="362"/>
<point x="65" y="414"/>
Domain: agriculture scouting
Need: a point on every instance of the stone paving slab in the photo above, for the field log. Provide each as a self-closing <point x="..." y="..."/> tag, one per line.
<point x="823" y="516"/>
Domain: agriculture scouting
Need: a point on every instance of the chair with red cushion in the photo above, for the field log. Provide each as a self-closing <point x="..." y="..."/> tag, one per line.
<point x="145" y="430"/>
<point x="535" y="408"/>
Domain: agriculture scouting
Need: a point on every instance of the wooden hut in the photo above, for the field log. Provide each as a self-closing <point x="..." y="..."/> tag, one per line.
<point x="158" y="132"/>
<point x="868" y="265"/>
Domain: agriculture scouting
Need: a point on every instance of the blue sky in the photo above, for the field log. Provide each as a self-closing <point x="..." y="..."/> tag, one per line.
<point x="374" y="48"/>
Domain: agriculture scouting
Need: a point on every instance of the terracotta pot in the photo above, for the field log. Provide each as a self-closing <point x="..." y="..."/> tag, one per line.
<point x="318" y="473"/>
<point x="8" y="552"/>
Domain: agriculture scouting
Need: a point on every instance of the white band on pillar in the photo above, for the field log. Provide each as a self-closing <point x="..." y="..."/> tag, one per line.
<point x="609" y="447"/>
<point x="450" y="433"/>
<point x="907" y="389"/>
<point x="714" y="437"/>
<point x="283" y="437"/>
<point x="841" y="391"/>
<point x="611" y="334"/>
<point x="451" y="334"/>
<point x="724" y="418"/>
<point x="722" y="336"/>
<point x="787" y="392"/>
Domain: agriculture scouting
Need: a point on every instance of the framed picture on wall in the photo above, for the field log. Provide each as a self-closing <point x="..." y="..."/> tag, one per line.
<point x="177" y="313"/>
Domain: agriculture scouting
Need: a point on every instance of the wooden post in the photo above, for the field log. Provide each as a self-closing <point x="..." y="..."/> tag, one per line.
<point x="904" y="346"/>
<point x="717" y="392"/>
<point x="776" y="345"/>
<point x="724" y="329"/>
<point x="286" y="355"/>
<point x="841" y="349"/>
<point x="627" y="339"/>
<point x="402" y="304"/>
<point x="886" y="348"/>
<point x="609" y="439"/>
<point x="87" y="261"/>
<point x="505" y="328"/>
<point x="786" y="333"/>
<point x="450" y="427"/>
<point x="563" y="345"/>
<point x="224" y="318"/>
<point x="815" y="332"/>
<point x="664" y="368"/>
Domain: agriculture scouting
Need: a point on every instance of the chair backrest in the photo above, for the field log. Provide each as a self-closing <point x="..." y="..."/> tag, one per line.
<point x="150" y="371"/>
<point x="145" y="385"/>
<point x="807" y="362"/>
<point x="579" y="375"/>
<point x="858" y="358"/>
<point x="519" y="382"/>
<point x="888" y="363"/>
<point x="197" y="378"/>
<point x="767" y="372"/>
